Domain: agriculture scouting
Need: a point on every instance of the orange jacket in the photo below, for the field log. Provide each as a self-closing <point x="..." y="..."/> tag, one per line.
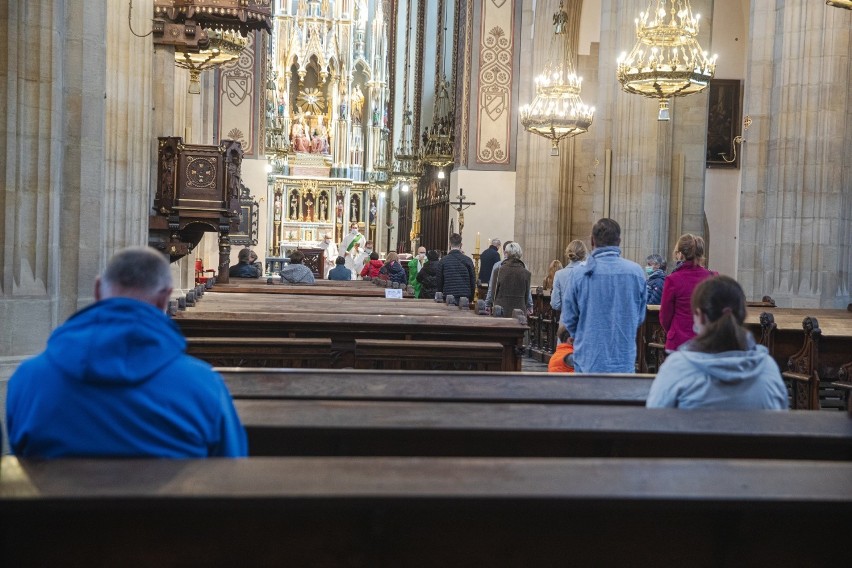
<point x="557" y="360"/>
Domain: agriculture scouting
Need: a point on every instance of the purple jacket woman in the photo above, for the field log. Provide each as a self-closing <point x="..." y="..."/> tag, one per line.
<point x="675" y="311"/>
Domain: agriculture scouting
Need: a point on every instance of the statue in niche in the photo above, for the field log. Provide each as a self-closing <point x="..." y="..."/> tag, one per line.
<point x="309" y="207"/>
<point x="376" y="117"/>
<point x="294" y="207"/>
<point x="339" y="208"/>
<point x="357" y="105"/>
<point x="373" y="211"/>
<point x="354" y="209"/>
<point x="323" y="208"/>
<point x="277" y="208"/>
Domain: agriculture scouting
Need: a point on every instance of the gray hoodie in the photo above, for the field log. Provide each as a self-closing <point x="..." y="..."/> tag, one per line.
<point x="297" y="274"/>
<point x="732" y="380"/>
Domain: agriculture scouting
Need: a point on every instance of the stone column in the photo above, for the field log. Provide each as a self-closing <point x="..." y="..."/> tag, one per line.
<point x="53" y="84"/>
<point x="76" y="187"/>
<point x="646" y="153"/>
<point x="538" y="182"/>
<point x="796" y="205"/>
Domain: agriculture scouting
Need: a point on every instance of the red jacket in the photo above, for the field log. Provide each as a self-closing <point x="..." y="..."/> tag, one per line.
<point x="372" y="268"/>
<point x="675" y="308"/>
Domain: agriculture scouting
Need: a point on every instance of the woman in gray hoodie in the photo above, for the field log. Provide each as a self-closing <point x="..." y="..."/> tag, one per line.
<point x="721" y="368"/>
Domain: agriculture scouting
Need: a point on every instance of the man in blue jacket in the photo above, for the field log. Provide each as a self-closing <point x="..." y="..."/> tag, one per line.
<point x="115" y="381"/>
<point x="603" y="305"/>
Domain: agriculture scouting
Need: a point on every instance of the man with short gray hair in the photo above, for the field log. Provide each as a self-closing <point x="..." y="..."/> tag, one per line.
<point x="115" y="381"/>
<point x="488" y="259"/>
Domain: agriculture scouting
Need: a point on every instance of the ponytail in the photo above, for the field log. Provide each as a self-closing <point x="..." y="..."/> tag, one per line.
<point x="722" y="302"/>
<point x="724" y="334"/>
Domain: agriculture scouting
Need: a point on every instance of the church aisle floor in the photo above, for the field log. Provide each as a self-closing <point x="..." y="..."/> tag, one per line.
<point x="530" y="365"/>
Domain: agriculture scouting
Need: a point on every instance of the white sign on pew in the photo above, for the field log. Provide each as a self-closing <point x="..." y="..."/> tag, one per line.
<point x="393" y="293"/>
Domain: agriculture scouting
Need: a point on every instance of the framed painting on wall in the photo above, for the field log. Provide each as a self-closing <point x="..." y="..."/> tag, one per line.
<point x="723" y="123"/>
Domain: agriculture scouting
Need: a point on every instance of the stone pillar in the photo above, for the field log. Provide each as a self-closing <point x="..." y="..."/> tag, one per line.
<point x="128" y="146"/>
<point x="73" y="83"/>
<point x="796" y="205"/>
<point x="646" y="154"/>
<point x="52" y="82"/>
<point x="538" y="173"/>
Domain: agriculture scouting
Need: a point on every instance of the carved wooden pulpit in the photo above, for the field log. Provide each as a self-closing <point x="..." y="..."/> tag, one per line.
<point x="315" y="260"/>
<point x="198" y="191"/>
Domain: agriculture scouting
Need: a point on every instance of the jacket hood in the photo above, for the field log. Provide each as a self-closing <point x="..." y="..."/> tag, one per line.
<point x="115" y="341"/>
<point x="729" y="366"/>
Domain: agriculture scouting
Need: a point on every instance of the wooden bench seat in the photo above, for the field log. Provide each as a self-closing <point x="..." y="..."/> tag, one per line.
<point x="390" y="512"/>
<point x="378" y="428"/>
<point x="442" y="355"/>
<point x="319" y="289"/>
<point x="436" y="386"/>
<point x="343" y="329"/>
<point x="273" y="352"/>
<point x="215" y="302"/>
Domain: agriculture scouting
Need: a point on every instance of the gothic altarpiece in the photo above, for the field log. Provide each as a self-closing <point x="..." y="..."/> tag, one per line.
<point x="325" y="106"/>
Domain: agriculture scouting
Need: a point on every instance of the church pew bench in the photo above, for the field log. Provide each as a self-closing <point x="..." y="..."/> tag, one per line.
<point x="260" y="287"/>
<point x="249" y="302"/>
<point x="417" y="512"/>
<point x="823" y="351"/>
<point x="437" y="386"/>
<point x="400" y="354"/>
<point x="319" y="353"/>
<point x="343" y="329"/>
<point x="380" y="428"/>
<point x="275" y="352"/>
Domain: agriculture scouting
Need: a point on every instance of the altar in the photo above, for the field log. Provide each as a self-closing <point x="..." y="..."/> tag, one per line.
<point x="305" y="209"/>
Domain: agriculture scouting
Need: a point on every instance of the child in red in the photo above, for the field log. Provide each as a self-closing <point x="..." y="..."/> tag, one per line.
<point x="562" y="360"/>
<point x="373" y="267"/>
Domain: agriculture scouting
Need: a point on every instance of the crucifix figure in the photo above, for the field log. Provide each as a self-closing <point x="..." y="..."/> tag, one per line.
<point x="460" y="205"/>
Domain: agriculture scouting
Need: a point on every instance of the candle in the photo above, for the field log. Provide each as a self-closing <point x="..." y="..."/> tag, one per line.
<point x="477" y="241"/>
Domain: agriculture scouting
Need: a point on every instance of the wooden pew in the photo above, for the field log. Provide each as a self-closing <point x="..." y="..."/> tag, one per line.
<point x="444" y="355"/>
<point x="378" y="428"/>
<point x="271" y="352"/>
<point x="284" y="303"/>
<point x="816" y="355"/>
<point x="544" y="388"/>
<point x="418" y="512"/>
<point x="318" y="353"/>
<point x="343" y="329"/>
<point x="345" y="289"/>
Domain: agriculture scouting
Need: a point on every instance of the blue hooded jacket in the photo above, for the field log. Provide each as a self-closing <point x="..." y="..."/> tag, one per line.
<point x="114" y="381"/>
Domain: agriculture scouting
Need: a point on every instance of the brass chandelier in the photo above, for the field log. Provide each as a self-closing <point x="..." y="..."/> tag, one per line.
<point x="847" y="4"/>
<point x="557" y="112"/>
<point x="208" y="33"/>
<point x="217" y="47"/>
<point x="667" y="60"/>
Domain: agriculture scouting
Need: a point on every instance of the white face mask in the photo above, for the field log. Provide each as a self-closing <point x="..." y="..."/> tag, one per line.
<point x="421" y="255"/>
<point x="368" y="251"/>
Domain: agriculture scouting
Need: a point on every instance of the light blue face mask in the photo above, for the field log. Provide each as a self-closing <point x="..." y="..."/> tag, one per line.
<point x="649" y="269"/>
